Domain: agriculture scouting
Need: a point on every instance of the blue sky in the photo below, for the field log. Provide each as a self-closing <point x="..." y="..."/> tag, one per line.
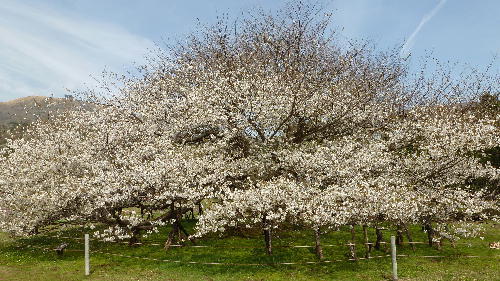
<point x="48" y="46"/>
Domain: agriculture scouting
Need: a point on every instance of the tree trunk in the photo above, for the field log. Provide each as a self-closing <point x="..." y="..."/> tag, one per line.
<point x="368" y="246"/>
<point x="399" y="235"/>
<point x="430" y="233"/>
<point x="178" y="232"/>
<point x="409" y="236"/>
<point x="380" y="237"/>
<point x="452" y="241"/>
<point x="134" y="239"/>
<point x="267" y="236"/>
<point x="352" y="244"/>
<point x="174" y="235"/>
<point x="319" y="249"/>
<point x="200" y="210"/>
<point x="186" y="233"/>
<point x="35" y="230"/>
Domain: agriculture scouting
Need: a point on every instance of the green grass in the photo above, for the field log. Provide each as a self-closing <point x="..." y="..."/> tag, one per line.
<point x="18" y="261"/>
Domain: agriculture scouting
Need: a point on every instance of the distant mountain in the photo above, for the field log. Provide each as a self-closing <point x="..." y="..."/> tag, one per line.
<point x="20" y="112"/>
<point x="27" y="109"/>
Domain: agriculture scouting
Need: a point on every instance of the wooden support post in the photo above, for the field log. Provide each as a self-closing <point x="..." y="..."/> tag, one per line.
<point x="352" y="244"/>
<point x="368" y="246"/>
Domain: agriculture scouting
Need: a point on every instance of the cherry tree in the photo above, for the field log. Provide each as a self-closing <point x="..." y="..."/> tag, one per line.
<point x="271" y="121"/>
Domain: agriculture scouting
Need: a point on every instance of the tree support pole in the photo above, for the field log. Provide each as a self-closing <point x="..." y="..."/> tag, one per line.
<point x="87" y="255"/>
<point x="394" y="260"/>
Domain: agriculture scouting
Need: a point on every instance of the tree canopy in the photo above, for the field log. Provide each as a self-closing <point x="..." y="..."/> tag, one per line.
<point x="271" y="121"/>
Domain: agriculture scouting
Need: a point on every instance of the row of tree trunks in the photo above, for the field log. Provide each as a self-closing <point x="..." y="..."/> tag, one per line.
<point x="179" y="234"/>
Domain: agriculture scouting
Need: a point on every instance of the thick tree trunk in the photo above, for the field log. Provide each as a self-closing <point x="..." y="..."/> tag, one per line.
<point x="368" y="246"/>
<point x="352" y="244"/>
<point x="319" y="249"/>
<point x="267" y="235"/>
<point x="178" y="233"/>
<point x="173" y="236"/>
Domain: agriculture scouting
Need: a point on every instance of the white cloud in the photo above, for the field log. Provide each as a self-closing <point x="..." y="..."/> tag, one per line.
<point x="43" y="51"/>
<point x="406" y="49"/>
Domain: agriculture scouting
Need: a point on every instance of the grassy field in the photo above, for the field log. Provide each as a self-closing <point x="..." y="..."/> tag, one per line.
<point x="26" y="259"/>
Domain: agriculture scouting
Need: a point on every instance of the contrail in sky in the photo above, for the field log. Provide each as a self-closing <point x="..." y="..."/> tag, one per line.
<point x="405" y="50"/>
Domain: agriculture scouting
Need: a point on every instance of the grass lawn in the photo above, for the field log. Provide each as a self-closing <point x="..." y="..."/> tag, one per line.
<point x="20" y="261"/>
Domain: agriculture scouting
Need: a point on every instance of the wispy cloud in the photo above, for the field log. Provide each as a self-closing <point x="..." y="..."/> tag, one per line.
<point x="44" y="50"/>
<point x="406" y="49"/>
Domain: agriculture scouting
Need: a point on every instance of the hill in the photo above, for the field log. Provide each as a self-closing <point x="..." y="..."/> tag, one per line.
<point x="17" y="113"/>
<point x="28" y="109"/>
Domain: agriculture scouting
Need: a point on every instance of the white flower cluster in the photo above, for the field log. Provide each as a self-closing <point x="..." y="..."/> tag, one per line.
<point x="456" y="231"/>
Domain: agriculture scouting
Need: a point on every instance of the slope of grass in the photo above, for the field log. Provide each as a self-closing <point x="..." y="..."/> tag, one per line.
<point x="25" y="259"/>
